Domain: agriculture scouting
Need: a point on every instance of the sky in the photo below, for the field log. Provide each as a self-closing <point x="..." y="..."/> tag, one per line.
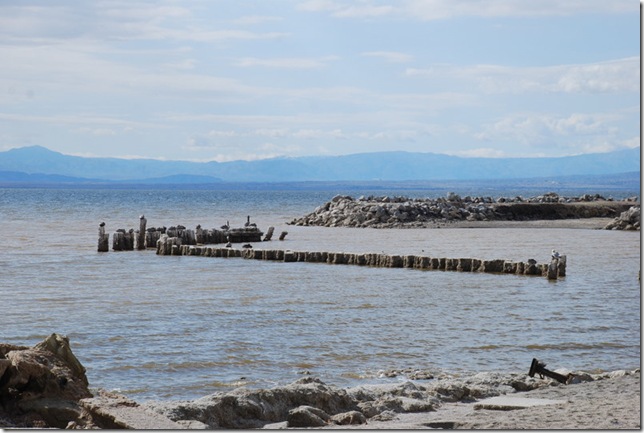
<point x="222" y="80"/>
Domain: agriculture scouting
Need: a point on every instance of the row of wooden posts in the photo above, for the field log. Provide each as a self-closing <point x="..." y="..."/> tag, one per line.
<point x="129" y="240"/>
<point x="179" y="241"/>
<point x="171" y="246"/>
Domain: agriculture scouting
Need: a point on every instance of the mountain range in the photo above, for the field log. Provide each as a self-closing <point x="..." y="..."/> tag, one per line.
<point x="39" y="164"/>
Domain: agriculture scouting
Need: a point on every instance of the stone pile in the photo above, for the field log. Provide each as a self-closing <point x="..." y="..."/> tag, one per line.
<point x="390" y="212"/>
<point x="168" y="246"/>
<point x="627" y="220"/>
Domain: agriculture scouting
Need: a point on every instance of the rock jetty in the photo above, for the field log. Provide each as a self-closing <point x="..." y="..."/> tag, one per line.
<point x="627" y="220"/>
<point x="404" y="212"/>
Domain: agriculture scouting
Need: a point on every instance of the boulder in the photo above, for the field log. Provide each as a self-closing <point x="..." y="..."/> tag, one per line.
<point x="41" y="386"/>
<point x="114" y="411"/>
<point x="244" y="408"/>
<point x="627" y="220"/>
<point x="307" y="416"/>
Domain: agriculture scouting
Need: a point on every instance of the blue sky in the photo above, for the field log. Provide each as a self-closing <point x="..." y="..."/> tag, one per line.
<point x="226" y="80"/>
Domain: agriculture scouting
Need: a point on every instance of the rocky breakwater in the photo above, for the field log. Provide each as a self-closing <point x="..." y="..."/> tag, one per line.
<point x="404" y="212"/>
<point x="627" y="220"/>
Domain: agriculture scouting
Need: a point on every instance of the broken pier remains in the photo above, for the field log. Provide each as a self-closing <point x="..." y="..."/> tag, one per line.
<point x="169" y="246"/>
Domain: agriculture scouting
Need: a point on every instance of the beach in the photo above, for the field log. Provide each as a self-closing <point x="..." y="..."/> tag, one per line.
<point x="607" y="404"/>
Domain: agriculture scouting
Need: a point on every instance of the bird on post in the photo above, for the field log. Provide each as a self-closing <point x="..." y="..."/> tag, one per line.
<point x="555" y="254"/>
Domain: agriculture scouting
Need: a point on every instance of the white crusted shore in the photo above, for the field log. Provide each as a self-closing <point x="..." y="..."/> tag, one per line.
<point x="608" y="404"/>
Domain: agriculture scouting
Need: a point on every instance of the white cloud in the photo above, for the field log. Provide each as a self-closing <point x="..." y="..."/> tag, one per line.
<point x="389" y="56"/>
<point x="256" y="19"/>
<point x="621" y="75"/>
<point x="578" y="133"/>
<point x="348" y="9"/>
<point x="286" y="63"/>
<point x="481" y="152"/>
<point x="442" y="9"/>
<point x="426" y="10"/>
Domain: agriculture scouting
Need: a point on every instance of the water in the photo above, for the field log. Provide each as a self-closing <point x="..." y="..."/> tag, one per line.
<point x="183" y="327"/>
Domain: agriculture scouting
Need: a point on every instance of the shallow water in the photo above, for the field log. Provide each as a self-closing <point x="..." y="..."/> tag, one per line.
<point x="183" y="327"/>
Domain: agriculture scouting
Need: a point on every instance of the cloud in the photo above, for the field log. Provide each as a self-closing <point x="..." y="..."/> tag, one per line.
<point x="546" y="132"/>
<point x="256" y="19"/>
<point x="118" y="21"/>
<point x="442" y="9"/>
<point x="481" y="152"/>
<point x="427" y="10"/>
<point x="348" y="9"/>
<point x="389" y="56"/>
<point x="286" y="63"/>
<point x="621" y="75"/>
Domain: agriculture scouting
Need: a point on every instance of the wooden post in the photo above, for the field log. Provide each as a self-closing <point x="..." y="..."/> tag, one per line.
<point x="283" y="235"/>
<point x="562" y="266"/>
<point x="140" y="238"/>
<point x="269" y="234"/>
<point x="553" y="269"/>
<point x="118" y="240"/>
<point x="103" y="239"/>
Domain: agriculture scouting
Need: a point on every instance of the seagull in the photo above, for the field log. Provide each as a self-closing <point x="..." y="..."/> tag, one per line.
<point x="555" y="254"/>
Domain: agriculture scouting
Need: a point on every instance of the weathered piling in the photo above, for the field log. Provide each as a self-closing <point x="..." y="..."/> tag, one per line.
<point x="103" y="239"/>
<point x="168" y="246"/>
<point x="553" y="269"/>
<point x="173" y="246"/>
<point x="282" y="236"/>
<point x="269" y="234"/>
<point x="152" y="235"/>
<point x="561" y="266"/>
<point x="140" y="238"/>
<point x="122" y="240"/>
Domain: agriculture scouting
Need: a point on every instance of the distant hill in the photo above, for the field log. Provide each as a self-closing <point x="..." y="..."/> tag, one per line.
<point x="377" y="166"/>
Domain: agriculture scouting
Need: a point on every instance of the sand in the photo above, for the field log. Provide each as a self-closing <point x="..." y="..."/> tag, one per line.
<point x="605" y="404"/>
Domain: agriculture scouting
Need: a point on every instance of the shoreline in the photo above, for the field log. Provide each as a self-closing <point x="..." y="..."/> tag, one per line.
<point x="611" y="403"/>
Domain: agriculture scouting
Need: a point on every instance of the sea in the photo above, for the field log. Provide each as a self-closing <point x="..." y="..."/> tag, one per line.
<point x="177" y="328"/>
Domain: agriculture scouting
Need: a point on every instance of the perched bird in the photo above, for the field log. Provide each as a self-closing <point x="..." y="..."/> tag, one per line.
<point x="555" y="254"/>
